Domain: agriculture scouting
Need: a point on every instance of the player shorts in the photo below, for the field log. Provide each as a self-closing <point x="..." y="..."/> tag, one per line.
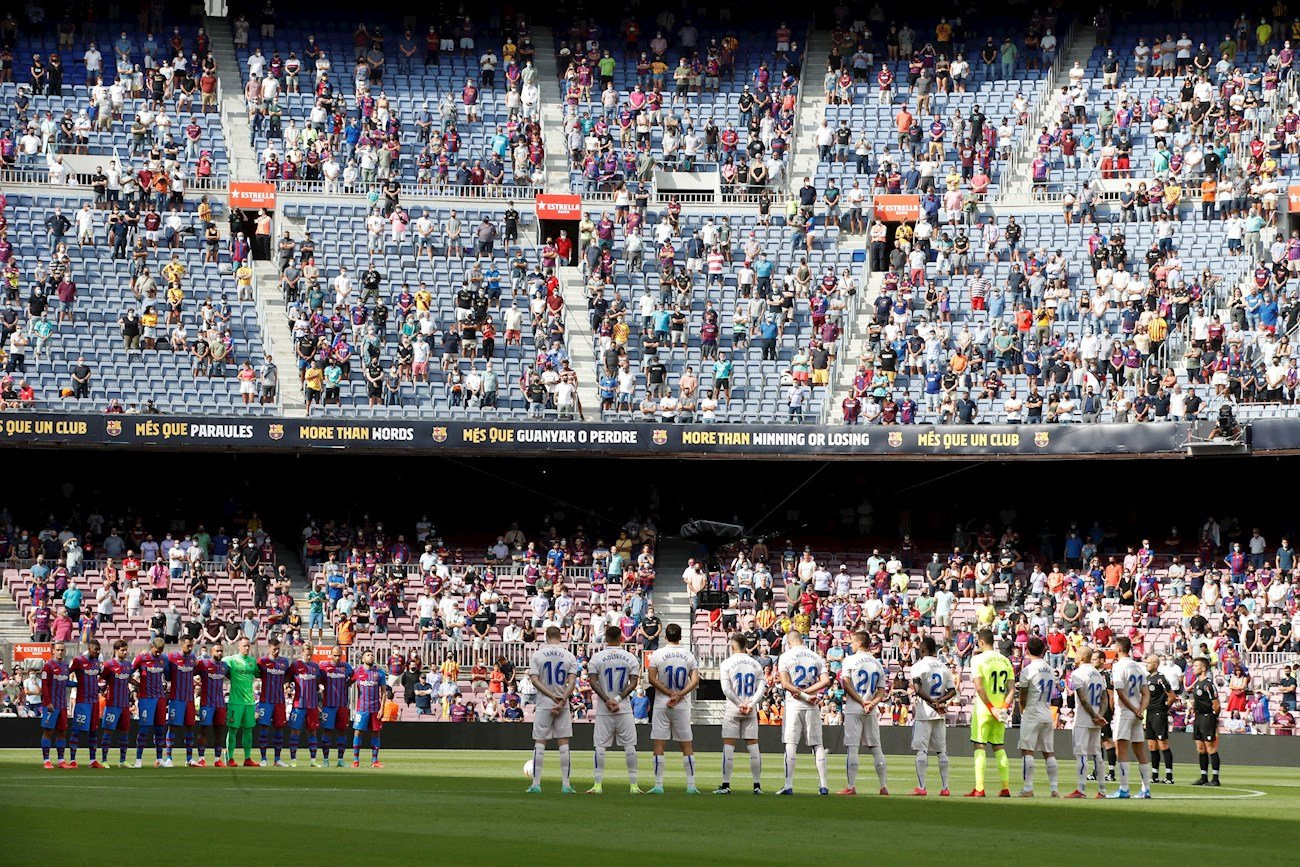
<point x="367" y="721"/>
<point x="152" y="712"/>
<point x="271" y="713"/>
<point x="1108" y="732"/>
<point x="1087" y="741"/>
<point x="210" y="715"/>
<point x="861" y="730"/>
<point x="930" y="735"/>
<point x="1127" y="728"/>
<point x="614" y="730"/>
<point x="335" y="719"/>
<point x="987" y="729"/>
<point x="85" y="717"/>
<point x="802" y="722"/>
<point x="180" y="713"/>
<point x="547" y="725"/>
<point x="1037" y="736"/>
<point x="1206" y="728"/>
<point x="241" y="716"/>
<point x="54" y="720"/>
<point x="671" y="723"/>
<point x="305" y="718"/>
<point x="117" y="719"/>
<point x="740" y="727"/>
<point x="1157" y="726"/>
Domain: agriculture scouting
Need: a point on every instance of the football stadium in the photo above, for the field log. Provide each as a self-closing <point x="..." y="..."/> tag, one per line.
<point x="893" y="411"/>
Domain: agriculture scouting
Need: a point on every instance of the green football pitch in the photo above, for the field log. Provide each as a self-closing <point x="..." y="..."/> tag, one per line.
<point x="470" y="807"/>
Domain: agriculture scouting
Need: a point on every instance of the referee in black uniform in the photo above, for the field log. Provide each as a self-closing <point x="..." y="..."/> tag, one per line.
<point x="1157" y="721"/>
<point x="1205" y="731"/>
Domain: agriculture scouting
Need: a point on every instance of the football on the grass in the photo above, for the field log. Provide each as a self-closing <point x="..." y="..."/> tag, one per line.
<point x="528" y="768"/>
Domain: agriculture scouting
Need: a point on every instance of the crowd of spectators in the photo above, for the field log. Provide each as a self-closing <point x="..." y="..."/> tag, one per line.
<point x="141" y="97"/>
<point x="77" y="576"/>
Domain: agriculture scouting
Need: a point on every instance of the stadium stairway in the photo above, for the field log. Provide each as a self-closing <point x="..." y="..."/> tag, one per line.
<point x="298" y="584"/>
<point x="274" y="313"/>
<point x="548" y="82"/>
<point x="1082" y="39"/>
<point x="812" y="108"/>
<point x="12" y="626"/>
<point x="581" y="343"/>
<point x="855" y="343"/>
<point x="673" y="605"/>
<point x="234" y="113"/>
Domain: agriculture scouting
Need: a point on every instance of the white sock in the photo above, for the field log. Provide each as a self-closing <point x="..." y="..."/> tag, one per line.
<point x="819" y="754"/>
<point x="943" y="769"/>
<point x="1027" y="772"/>
<point x="791" y="750"/>
<point x="851" y="766"/>
<point x="1053" y="774"/>
<point x="1144" y="771"/>
<point x="1096" y="772"/>
<point x="755" y="763"/>
<point x="539" y="755"/>
<point x="922" y="763"/>
<point x="1081" y="772"/>
<point x="600" y="765"/>
<point x="659" y="769"/>
<point x="564" y="764"/>
<point x="728" y="760"/>
<point x="629" y="755"/>
<point x="878" y="756"/>
<point x="1123" y="776"/>
<point x="688" y="762"/>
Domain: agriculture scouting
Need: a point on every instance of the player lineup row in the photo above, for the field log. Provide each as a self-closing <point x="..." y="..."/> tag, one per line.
<point x="180" y="698"/>
<point x="1120" y="709"/>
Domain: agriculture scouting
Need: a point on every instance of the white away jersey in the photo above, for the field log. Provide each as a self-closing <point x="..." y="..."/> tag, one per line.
<point x="935" y="680"/>
<point x="613" y="667"/>
<point x="552" y="666"/>
<point x="866" y="674"/>
<point x="1093" y="684"/>
<point x="1130" y="678"/>
<point x="673" y="666"/>
<point x="1037" y="676"/>
<point x="804" y="668"/>
<point x="742" y="680"/>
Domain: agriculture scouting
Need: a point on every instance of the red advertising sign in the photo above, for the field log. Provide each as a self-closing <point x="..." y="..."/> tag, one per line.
<point x="27" y="651"/>
<point x="322" y="652"/>
<point x="252" y="195"/>
<point x="1293" y="199"/>
<point x="896" y="209"/>
<point x="556" y="207"/>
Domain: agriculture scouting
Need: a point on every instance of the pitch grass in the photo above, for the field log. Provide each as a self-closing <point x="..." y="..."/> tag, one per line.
<point x="470" y="807"/>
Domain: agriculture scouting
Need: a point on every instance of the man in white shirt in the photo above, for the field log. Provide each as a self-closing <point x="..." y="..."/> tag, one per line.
<point x="674" y="674"/>
<point x="743" y="684"/>
<point x="553" y="670"/>
<point x="1131" y="697"/>
<point x="804" y="676"/>
<point x="933" y="686"/>
<point x="1090" y="700"/>
<point x="1036" y="684"/>
<point x="614" y="674"/>
<point x="865" y="687"/>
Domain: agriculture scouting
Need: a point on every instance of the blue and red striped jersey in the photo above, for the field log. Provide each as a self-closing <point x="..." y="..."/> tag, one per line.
<point x="306" y="683"/>
<point x="212" y="682"/>
<point x="274" y="670"/>
<point x="85" y="675"/>
<point x="370" y="689"/>
<point x="153" y="675"/>
<point x="117" y="675"/>
<point x="180" y="672"/>
<point x="337" y="677"/>
<point x="54" y="685"/>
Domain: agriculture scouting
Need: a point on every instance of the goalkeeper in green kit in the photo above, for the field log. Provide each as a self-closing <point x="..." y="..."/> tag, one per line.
<point x="242" y="712"/>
